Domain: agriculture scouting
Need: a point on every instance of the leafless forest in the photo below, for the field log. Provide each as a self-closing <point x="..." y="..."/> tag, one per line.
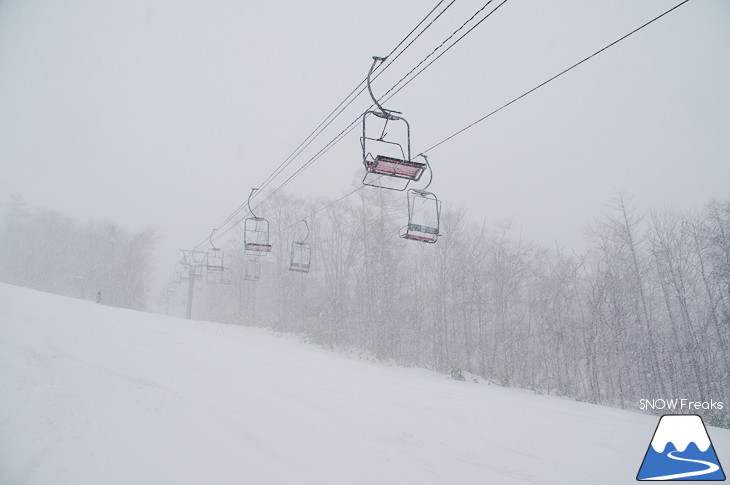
<point x="644" y="312"/>
<point x="45" y="250"/>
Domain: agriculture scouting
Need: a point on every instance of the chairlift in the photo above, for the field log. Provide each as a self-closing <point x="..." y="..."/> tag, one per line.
<point x="301" y="254"/>
<point x="256" y="233"/>
<point x="424" y="214"/>
<point x="214" y="257"/>
<point x="387" y="159"/>
<point x="252" y="270"/>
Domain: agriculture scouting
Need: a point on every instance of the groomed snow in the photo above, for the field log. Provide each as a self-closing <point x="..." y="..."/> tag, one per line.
<point x="100" y="395"/>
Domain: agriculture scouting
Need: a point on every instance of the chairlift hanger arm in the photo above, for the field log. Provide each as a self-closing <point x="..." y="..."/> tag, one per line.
<point x="430" y="171"/>
<point x="376" y="60"/>
<point x="253" y="189"/>
<point x="385" y="113"/>
<point x="307" y="227"/>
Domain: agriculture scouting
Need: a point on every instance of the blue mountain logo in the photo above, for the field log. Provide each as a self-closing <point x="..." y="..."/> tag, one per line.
<point x="680" y="450"/>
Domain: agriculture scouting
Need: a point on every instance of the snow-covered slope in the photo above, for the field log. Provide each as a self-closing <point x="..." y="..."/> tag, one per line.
<point x="99" y="395"/>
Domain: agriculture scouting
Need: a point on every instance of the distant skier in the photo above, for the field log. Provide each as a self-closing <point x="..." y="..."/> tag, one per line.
<point x="98" y="296"/>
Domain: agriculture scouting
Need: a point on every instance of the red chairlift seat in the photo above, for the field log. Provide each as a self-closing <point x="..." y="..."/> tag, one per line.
<point x="395" y="167"/>
<point x="418" y="232"/>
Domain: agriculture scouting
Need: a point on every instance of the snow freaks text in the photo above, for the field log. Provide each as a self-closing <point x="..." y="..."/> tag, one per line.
<point x="679" y="404"/>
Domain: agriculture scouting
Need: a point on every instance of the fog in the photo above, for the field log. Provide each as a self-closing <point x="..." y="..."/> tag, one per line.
<point x="166" y="114"/>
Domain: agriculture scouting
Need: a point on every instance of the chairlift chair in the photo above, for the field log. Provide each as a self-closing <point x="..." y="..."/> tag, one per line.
<point x="424" y="214"/>
<point x="214" y="260"/>
<point x="256" y="236"/>
<point x="256" y="233"/>
<point x="214" y="257"/>
<point x="252" y="270"/>
<point x="387" y="159"/>
<point x="301" y="254"/>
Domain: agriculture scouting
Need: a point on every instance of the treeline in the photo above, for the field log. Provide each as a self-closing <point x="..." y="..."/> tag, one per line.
<point x="48" y="251"/>
<point x="643" y="313"/>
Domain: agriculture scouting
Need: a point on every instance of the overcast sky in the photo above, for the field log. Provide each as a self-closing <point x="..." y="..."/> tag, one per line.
<point x="166" y="113"/>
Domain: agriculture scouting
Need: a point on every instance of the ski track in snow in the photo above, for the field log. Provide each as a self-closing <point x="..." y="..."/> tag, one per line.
<point x="100" y="395"/>
<point x="711" y="468"/>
